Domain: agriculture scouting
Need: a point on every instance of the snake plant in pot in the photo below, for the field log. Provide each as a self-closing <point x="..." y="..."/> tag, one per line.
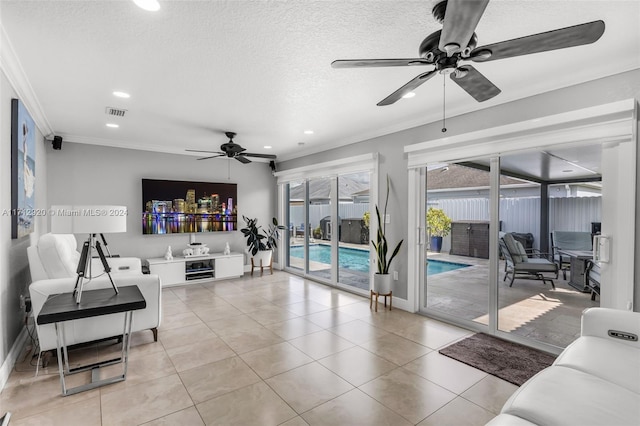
<point x="382" y="278"/>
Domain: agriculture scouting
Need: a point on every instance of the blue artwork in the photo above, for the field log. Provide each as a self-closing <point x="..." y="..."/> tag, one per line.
<point x="23" y="135"/>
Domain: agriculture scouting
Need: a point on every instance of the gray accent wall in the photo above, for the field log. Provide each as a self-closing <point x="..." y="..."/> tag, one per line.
<point x="90" y="174"/>
<point x="394" y="163"/>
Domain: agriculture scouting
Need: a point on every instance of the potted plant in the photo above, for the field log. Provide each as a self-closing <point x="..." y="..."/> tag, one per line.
<point x="317" y="233"/>
<point x="439" y="225"/>
<point x="382" y="279"/>
<point x="261" y="243"/>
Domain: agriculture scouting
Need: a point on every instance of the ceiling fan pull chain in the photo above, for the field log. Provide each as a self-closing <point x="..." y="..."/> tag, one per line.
<point x="444" y="96"/>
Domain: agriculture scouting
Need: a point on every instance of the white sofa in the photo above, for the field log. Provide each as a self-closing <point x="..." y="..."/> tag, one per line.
<point x="594" y="381"/>
<point x="53" y="262"/>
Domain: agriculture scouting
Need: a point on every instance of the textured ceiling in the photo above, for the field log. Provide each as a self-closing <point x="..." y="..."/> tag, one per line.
<point x="262" y="68"/>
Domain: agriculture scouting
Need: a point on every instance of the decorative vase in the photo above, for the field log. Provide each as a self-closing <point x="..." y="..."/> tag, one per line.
<point x="382" y="283"/>
<point x="227" y="249"/>
<point x="168" y="255"/>
<point x="436" y="244"/>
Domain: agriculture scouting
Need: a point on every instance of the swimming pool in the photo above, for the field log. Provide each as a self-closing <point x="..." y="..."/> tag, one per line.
<point x="348" y="258"/>
<point x="440" y="266"/>
<point x="358" y="260"/>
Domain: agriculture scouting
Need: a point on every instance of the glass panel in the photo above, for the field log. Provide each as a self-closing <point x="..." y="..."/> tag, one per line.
<point x="297" y="196"/>
<point x="320" y="251"/>
<point x="542" y="198"/>
<point x="353" y="230"/>
<point x="457" y="223"/>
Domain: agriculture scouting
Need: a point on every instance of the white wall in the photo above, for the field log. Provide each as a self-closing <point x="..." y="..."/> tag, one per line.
<point x="14" y="268"/>
<point x="89" y="174"/>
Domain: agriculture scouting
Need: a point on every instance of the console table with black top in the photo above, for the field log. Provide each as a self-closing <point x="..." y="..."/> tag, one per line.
<point x="59" y="308"/>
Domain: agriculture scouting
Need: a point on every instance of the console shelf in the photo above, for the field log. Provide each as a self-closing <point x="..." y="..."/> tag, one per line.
<point x="183" y="270"/>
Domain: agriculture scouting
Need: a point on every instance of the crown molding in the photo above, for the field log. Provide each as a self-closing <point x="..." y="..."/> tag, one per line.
<point x="12" y="69"/>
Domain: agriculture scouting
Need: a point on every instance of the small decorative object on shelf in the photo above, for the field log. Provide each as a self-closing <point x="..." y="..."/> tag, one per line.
<point x="227" y="249"/>
<point x="196" y="249"/>
<point x="168" y="254"/>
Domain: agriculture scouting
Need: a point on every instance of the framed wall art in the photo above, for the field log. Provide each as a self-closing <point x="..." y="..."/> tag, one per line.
<point x="23" y="166"/>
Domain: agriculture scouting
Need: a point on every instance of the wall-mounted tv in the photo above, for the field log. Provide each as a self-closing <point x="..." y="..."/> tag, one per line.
<point x="175" y="207"/>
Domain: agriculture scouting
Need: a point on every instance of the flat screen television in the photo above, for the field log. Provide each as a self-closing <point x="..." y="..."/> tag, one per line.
<point x="178" y="207"/>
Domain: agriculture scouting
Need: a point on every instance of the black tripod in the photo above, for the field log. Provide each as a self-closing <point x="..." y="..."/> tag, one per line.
<point x="84" y="265"/>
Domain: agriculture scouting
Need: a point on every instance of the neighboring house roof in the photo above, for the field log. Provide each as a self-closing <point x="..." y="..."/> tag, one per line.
<point x="456" y="176"/>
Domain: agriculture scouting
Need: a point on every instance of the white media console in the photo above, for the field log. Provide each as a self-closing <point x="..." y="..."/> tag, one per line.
<point x="184" y="270"/>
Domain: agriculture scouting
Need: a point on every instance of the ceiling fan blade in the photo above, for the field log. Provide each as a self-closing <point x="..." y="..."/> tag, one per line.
<point x="363" y="63"/>
<point x="410" y="86"/>
<point x="576" y="35"/>
<point x="460" y="21"/>
<point x="474" y="83"/>
<point x="268" y="156"/>
<point x="212" y="156"/>
<point x="242" y="159"/>
<point x="199" y="150"/>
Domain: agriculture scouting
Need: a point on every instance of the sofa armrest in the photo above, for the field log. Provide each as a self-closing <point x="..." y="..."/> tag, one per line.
<point x="600" y="322"/>
<point x="119" y="264"/>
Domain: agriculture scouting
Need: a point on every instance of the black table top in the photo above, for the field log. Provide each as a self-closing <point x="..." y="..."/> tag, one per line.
<point x="104" y="301"/>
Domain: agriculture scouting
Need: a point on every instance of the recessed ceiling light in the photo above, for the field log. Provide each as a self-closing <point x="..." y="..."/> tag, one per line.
<point x="567" y="171"/>
<point x="267" y="147"/>
<point x="300" y="143"/>
<point x="408" y="95"/>
<point x="308" y="132"/>
<point x="150" y="5"/>
<point x="122" y="95"/>
<point x="113" y="125"/>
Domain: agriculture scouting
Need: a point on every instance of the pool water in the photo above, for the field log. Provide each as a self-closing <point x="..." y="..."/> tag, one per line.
<point x="440" y="266"/>
<point x="348" y="258"/>
<point x="358" y="260"/>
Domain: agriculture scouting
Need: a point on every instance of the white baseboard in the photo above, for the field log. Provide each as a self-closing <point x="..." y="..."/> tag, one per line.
<point x="10" y="361"/>
<point x="402" y="304"/>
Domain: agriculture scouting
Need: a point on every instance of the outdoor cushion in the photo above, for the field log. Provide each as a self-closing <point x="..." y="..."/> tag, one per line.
<point x="539" y="265"/>
<point x="511" y="246"/>
<point x="524" y="257"/>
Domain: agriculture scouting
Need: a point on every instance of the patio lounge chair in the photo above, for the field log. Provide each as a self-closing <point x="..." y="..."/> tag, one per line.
<point x="569" y="240"/>
<point x="521" y="263"/>
<point x="592" y="278"/>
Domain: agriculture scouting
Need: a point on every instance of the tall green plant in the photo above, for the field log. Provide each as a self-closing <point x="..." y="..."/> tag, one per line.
<point x="259" y="239"/>
<point x="439" y="223"/>
<point x="380" y="245"/>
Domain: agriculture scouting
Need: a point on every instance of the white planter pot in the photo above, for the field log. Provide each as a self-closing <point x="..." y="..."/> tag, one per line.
<point x="264" y="256"/>
<point x="382" y="283"/>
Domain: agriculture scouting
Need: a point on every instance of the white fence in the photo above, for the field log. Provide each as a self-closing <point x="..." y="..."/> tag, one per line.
<point x="516" y="214"/>
<point x="523" y="214"/>
<point x="318" y="212"/>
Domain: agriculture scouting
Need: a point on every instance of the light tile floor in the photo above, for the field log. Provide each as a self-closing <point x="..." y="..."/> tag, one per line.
<point x="271" y="350"/>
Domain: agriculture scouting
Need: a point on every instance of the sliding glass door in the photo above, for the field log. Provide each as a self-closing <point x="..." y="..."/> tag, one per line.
<point x="353" y="231"/>
<point x="297" y="253"/>
<point x="328" y="235"/>
<point x="319" y="202"/>
<point x="517" y="258"/>
<point x="457" y="245"/>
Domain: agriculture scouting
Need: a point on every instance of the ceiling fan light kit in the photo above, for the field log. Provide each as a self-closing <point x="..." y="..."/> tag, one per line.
<point x="448" y="50"/>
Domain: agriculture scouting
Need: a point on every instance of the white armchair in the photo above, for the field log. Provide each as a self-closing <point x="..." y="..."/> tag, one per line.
<point x="53" y="262"/>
